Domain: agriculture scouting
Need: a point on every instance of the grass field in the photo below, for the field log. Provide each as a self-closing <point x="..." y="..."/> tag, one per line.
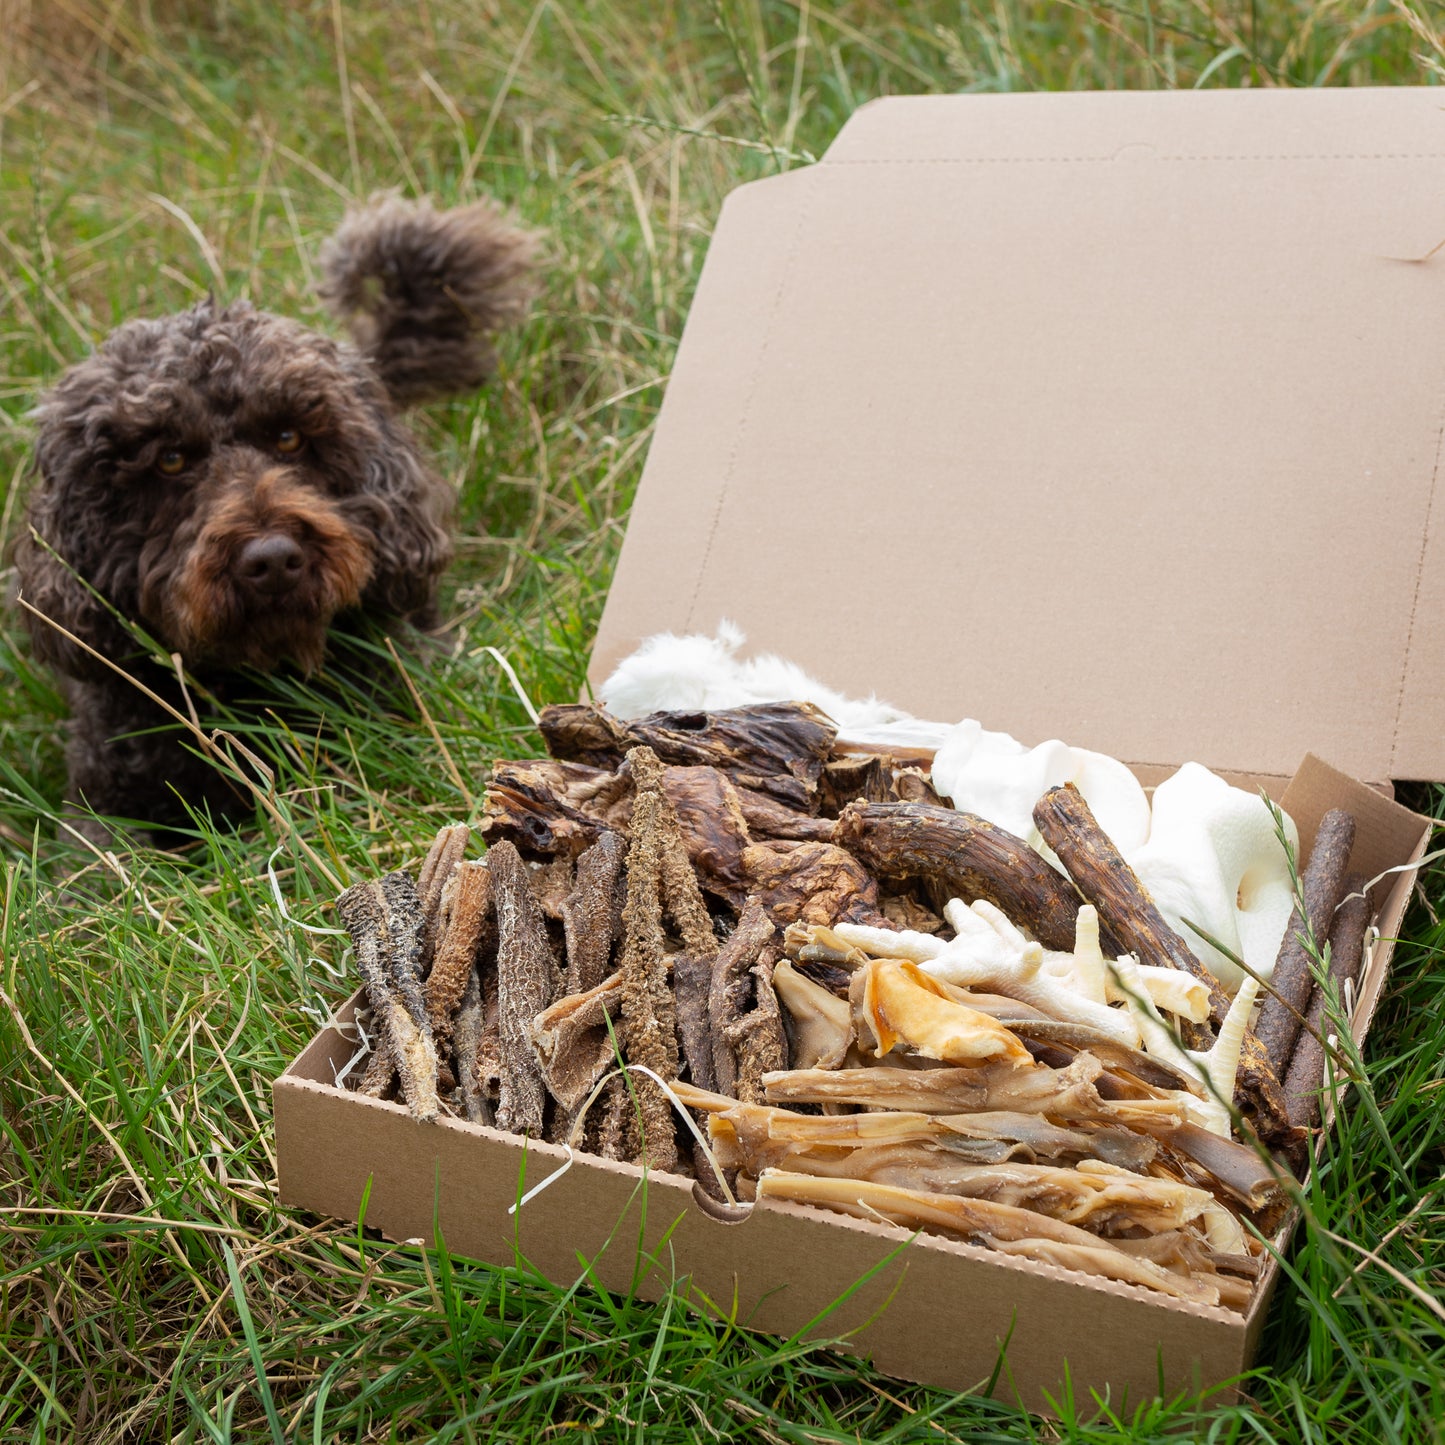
<point x="150" y="1287"/>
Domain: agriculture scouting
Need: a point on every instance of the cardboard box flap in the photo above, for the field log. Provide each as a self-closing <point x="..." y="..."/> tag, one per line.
<point x="1119" y="419"/>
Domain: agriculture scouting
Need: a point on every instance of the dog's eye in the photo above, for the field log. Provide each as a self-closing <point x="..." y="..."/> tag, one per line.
<point x="288" y="439"/>
<point x="171" y="462"/>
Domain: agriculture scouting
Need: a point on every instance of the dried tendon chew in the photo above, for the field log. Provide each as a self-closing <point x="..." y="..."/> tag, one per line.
<point x="384" y="918"/>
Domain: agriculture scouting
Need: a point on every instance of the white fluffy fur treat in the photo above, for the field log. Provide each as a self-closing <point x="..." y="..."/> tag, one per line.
<point x="671" y="673"/>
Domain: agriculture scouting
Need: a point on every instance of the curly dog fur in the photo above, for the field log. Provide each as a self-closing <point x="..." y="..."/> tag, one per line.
<point x="233" y="482"/>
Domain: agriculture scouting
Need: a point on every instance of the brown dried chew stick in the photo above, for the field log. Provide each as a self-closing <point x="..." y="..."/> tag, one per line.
<point x="592" y="914"/>
<point x="442" y="857"/>
<point x="526" y="983"/>
<point x="691" y="985"/>
<point x="757" y="1039"/>
<point x="384" y="920"/>
<point x="649" y="1032"/>
<point x="964" y="856"/>
<point x="1306" y="1073"/>
<point x="731" y="986"/>
<point x="469" y="893"/>
<point x="380" y="1076"/>
<point x="466" y="1041"/>
<point x="775" y="748"/>
<point x="1323" y="885"/>
<point x="1068" y="826"/>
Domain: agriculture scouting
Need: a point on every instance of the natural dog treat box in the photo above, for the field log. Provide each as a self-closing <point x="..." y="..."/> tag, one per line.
<point x="1115" y="417"/>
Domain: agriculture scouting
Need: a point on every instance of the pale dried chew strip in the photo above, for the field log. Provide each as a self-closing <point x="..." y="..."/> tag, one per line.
<point x="385" y="922"/>
<point x="1306" y="1074"/>
<point x="980" y="1221"/>
<point x="1068" y="826"/>
<point x="1323" y="885"/>
<point x="444" y="854"/>
<point x="526" y="982"/>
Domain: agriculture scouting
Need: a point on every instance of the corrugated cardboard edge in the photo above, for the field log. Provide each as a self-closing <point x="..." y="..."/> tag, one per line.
<point x="924" y="1309"/>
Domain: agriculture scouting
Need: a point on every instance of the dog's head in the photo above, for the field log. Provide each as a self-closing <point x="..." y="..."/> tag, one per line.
<point x="230" y="480"/>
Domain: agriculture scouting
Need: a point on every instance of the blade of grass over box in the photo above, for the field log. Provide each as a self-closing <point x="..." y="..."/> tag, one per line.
<point x="152" y="152"/>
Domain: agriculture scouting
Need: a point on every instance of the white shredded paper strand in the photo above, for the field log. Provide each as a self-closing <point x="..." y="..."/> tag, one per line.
<point x="286" y="912"/>
<point x="1363" y="892"/>
<point x="516" y="682"/>
<point x="591" y="1099"/>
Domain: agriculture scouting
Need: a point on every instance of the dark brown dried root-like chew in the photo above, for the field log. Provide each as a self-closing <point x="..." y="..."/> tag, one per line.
<point x="775" y="748"/>
<point x="1323" y="885"/>
<point x="467" y="1041"/>
<point x="527" y="981"/>
<point x="1306" y="1074"/>
<point x="962" y="856"/>
<point x="468" y="911"/>
<point x="384" y="919"/>
<point x="731" y="990"/>
<point x="592" y="914"/>
<point x="1068" y="826"/>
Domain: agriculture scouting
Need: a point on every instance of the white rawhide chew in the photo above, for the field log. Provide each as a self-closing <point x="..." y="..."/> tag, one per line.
<point x="1213" y="858"/>
<point x="995" y="777"/>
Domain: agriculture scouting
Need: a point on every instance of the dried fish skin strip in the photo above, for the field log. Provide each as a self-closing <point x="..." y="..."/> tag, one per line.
<point x="384" y="920"/>
<point x="980" y="1221"/>
<point x="731" y="987"/>
<point x="960" y="855"/>
<point x="774" y="748"/>
<point x="572" y="1041"/>
<point x="592" y="914"/>
<point x="894" y="1002"/>
<point x="468" y="914"/>
<point x="527" y="979"/>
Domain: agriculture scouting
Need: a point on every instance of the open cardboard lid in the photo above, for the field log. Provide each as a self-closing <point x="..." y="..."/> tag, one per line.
<point x="1112" y="416"/>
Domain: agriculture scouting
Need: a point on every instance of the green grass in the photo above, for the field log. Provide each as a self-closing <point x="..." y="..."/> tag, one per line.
<point x="150" y="1287"/>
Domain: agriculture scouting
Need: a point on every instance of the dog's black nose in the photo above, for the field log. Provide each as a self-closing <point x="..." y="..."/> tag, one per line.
<point x="271" y="565"/>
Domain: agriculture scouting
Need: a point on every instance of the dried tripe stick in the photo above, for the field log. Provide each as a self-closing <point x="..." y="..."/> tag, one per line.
<point x="468" y="896"/>
<point x="592" y="914"/>
<point x="1306" y="1073"/>
<point x="384" y="918"/>
<point x="1323" y="885"/>
<point x="527" y="980"/>
<point x="649" y="1020"/>
<point x="467" y="1040"/>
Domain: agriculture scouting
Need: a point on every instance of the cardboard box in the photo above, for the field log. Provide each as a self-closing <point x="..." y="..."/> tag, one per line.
<point x="1110" y="416"/>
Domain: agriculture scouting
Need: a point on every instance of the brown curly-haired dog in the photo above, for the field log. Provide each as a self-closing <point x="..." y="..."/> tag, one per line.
<point x="232" y="482"/>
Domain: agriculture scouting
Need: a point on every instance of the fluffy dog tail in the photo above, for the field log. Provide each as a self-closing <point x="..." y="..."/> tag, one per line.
<point x="422" y="291"/>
